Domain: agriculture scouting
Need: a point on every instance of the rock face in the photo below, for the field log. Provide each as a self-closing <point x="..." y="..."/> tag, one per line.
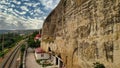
<point x="83" y="32"/>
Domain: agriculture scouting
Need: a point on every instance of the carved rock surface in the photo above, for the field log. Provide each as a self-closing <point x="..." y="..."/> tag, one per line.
<point x="84" y="32"/>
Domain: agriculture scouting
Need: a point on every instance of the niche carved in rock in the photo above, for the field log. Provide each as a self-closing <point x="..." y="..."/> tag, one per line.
<point x="88" y="51"/>
<point x="108" y="48"/>
<point x="84" y="31"/>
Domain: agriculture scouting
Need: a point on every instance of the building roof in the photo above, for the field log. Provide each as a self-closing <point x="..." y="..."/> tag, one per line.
<point x="37" y="36"/>
<point x="39" y="50"/>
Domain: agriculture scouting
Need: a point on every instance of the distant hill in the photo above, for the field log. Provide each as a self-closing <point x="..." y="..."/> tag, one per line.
<point x="18" y="31"/>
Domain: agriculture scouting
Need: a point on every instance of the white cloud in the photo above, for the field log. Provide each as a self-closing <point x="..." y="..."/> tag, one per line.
<point x="31" y="13"/>
<point x="24" y="8"/>
<point x="12" y="5"/>
<point x="23" y="12"/>
<point x="13" y="22"/>
<point x="16" y="11"/>
<point x="19" y="2"/>
<point x="34" y="23"/>
<point x="44" y="17"/>
<point x="14" y="18"/>
<point x="28" y="4"/>
<point x="50" y="4"/>
<point x="25" y="0"/>
<point x="3" y="2"/>
<point x="16" y="2"/>
<point x="10" y="9"/>
<point x="35" y="5"/>
<point x="38" y="11"/>
<point x="1" y="6"/>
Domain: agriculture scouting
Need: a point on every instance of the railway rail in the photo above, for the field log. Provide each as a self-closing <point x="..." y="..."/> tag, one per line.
<point x="9" y="61"/>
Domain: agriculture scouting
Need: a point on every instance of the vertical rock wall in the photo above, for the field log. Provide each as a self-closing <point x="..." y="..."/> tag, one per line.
<point x="83" y="32"/>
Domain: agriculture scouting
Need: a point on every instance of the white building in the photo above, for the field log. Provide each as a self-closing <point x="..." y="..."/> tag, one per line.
<point x="40" y="54"/>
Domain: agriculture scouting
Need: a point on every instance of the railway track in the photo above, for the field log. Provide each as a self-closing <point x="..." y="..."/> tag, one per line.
<point x="9" y="61"/>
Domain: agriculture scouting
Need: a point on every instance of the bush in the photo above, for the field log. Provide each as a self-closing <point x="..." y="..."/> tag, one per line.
<point x="1" y="54"/>
<point x="98" y="65"/>
<point x="38" y="61"/>
<point x="43" y="62"/>
<point x="31" y="42"/>
<point x="23" y="48"/>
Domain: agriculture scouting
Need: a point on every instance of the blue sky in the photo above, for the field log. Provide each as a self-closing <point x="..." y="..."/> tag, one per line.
<point x="24" y="14"/>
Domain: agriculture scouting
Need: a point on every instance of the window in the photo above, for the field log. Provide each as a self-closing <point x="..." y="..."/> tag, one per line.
<point x="42" y="55"/>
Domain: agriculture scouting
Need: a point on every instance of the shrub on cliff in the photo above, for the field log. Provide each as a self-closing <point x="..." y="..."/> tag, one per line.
<point x="98" y="65"/>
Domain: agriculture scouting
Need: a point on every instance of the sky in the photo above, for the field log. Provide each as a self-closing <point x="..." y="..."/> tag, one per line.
<point x="24" y="14"/>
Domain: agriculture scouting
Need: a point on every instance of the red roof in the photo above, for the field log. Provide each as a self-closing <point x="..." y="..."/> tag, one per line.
<point x="39" y="50"/>
<point x="37" y="36"/>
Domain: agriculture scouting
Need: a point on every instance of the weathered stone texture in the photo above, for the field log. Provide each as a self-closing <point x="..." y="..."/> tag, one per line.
<point x="84" y="32"/>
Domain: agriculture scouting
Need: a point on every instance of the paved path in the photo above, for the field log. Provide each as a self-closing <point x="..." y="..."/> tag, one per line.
<point x="30" y="60"/>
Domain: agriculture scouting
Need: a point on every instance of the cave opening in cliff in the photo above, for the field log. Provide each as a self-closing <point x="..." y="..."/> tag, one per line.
<point x="56" y="61"/>
<point x="49" y="49"/>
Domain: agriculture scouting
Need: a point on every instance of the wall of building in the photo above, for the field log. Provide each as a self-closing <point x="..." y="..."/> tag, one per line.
<point x="41" y="56"/>
<point x="83" y="32"/>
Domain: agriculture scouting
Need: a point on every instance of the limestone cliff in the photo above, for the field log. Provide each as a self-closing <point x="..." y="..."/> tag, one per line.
<point x="83" y="32"/>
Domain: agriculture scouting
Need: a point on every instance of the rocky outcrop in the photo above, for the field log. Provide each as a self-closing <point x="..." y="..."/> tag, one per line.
<point x="83" y="32"/>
